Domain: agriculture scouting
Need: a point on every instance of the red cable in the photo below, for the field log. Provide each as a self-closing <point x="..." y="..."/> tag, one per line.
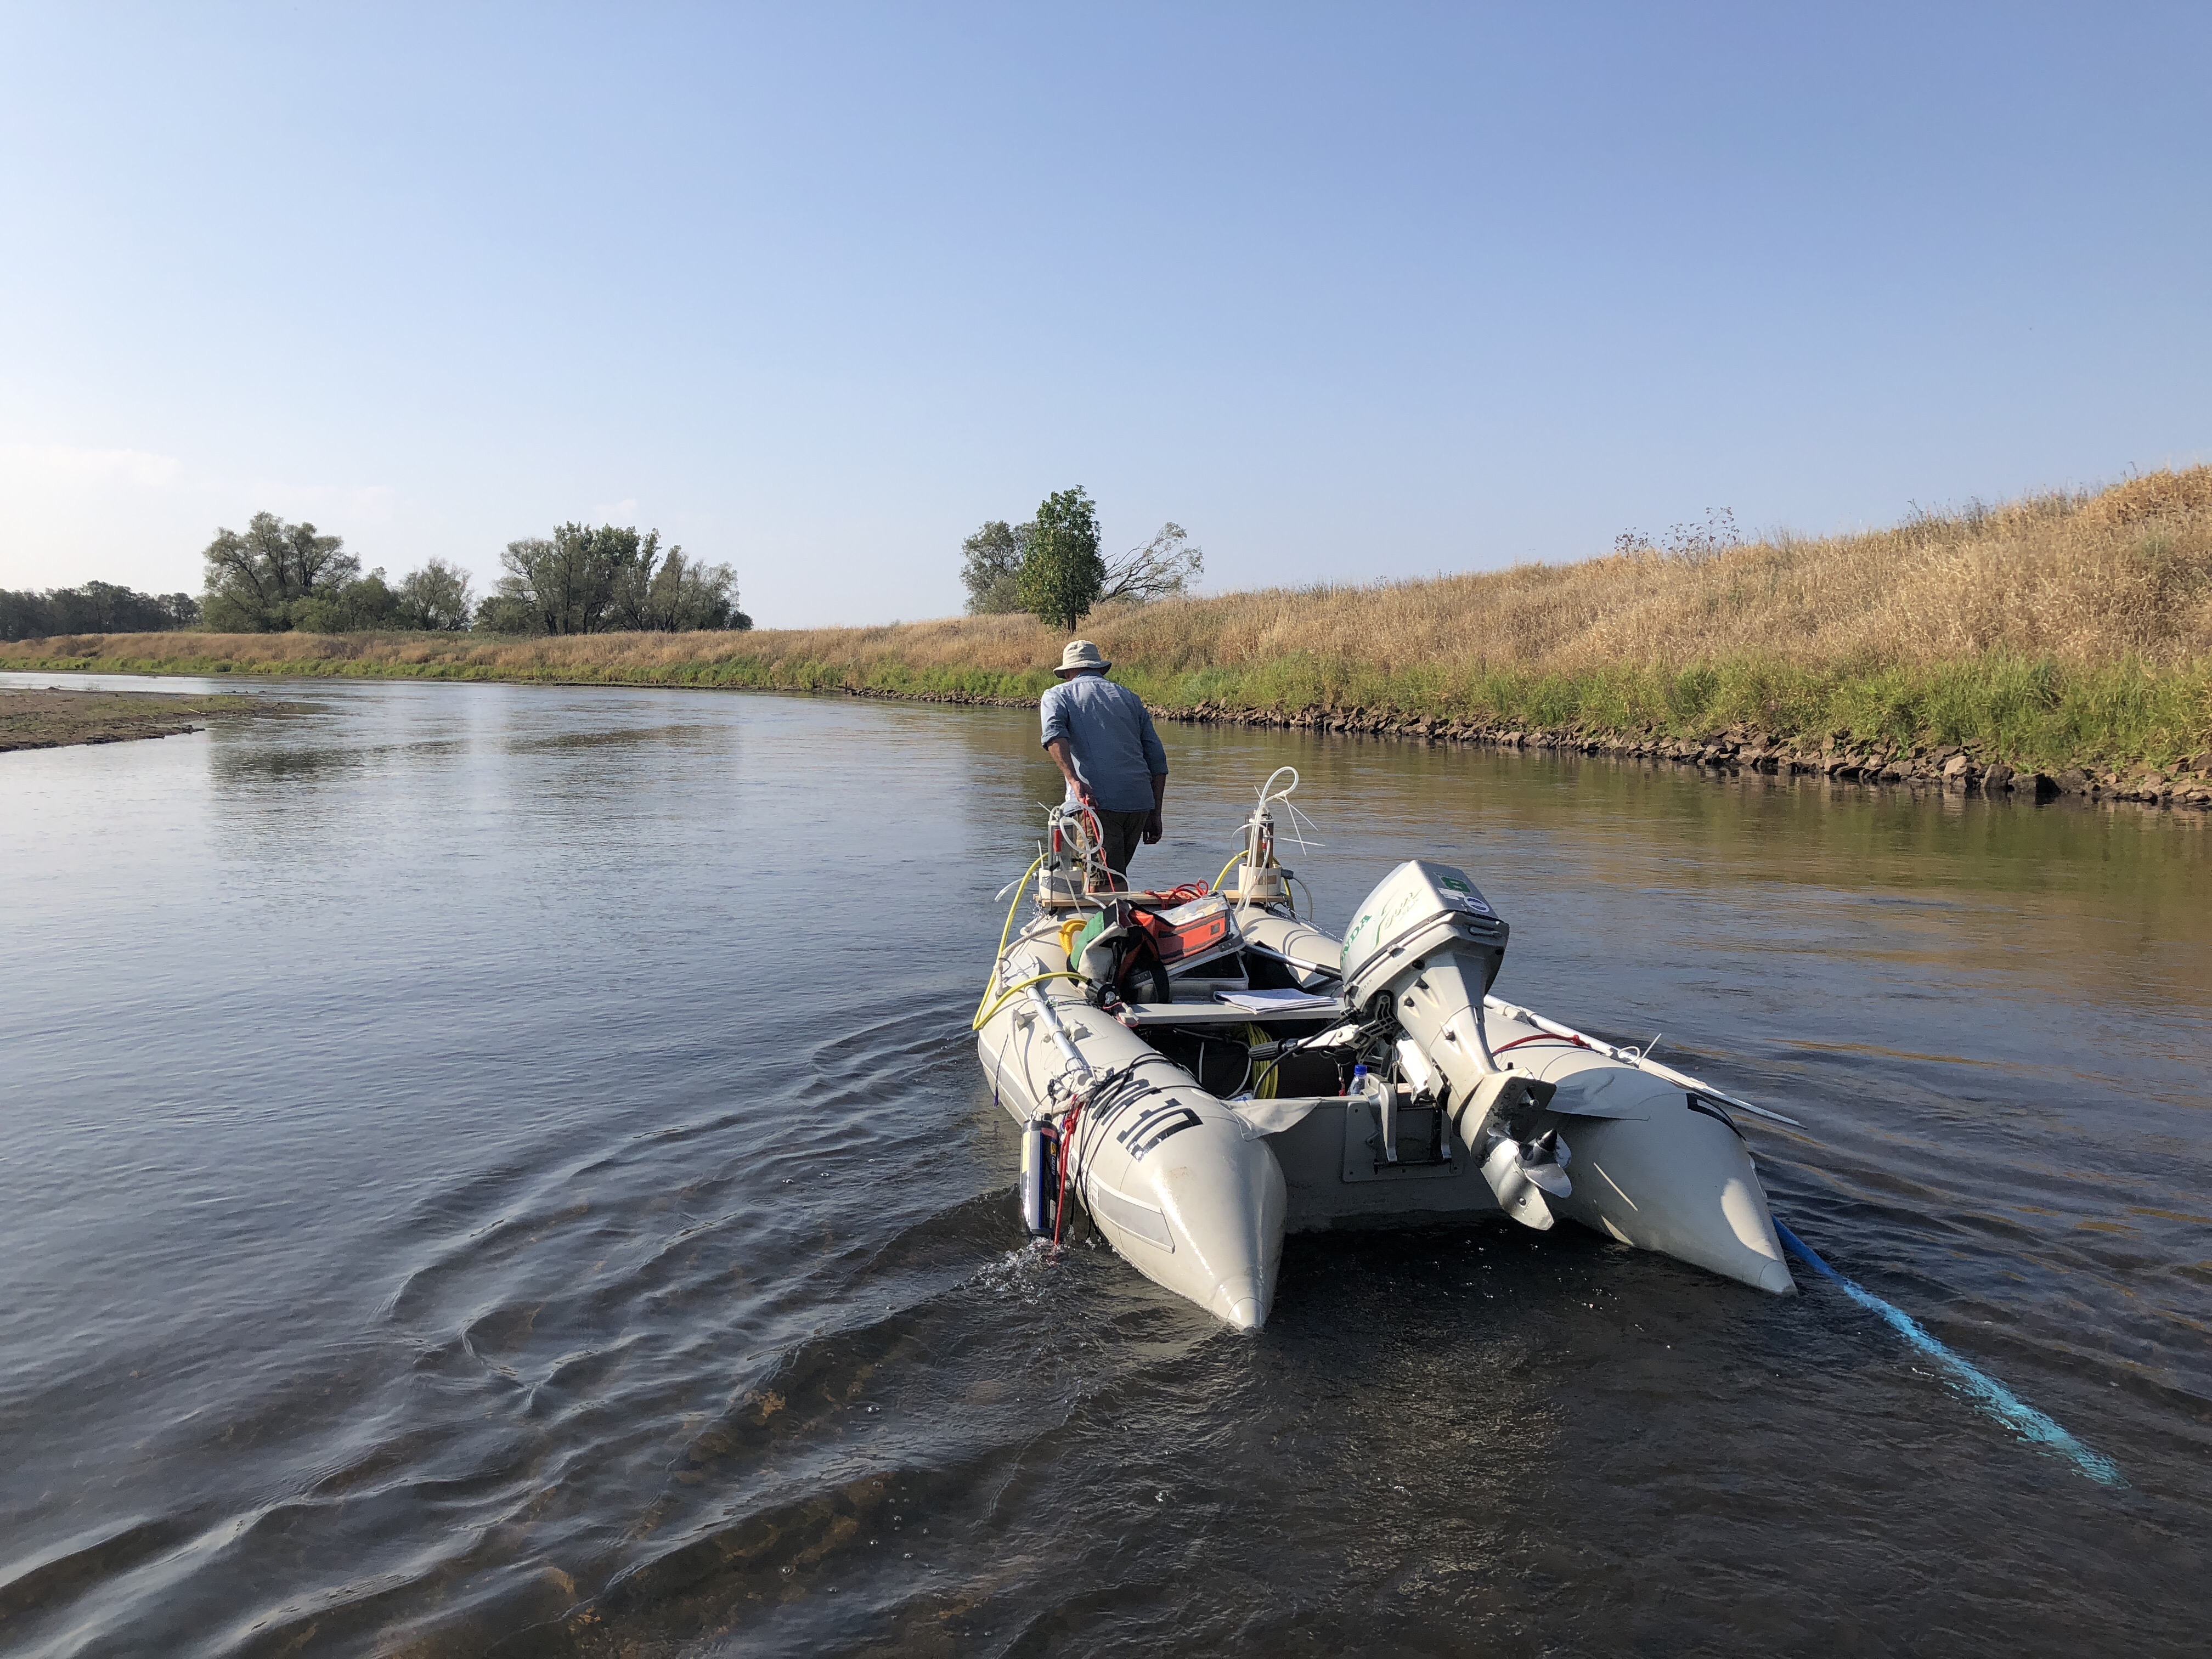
<point x="1067" y="1151"/>
<point x="1540" y="1036"/>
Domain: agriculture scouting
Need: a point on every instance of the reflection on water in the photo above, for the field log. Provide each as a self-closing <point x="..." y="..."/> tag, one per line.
<point x="499" y="1169"/>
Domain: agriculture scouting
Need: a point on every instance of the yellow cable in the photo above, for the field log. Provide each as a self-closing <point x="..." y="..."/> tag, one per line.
<point x="983" y="1015"/>
<point x="1225" y="869"/>
<point x="990" y="982"/>
<point x="1264" y="1085"/>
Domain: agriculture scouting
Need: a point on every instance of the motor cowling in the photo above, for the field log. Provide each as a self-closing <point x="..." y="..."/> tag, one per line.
<point x="1427" y="943"/>
<point x="1417" y="911"/>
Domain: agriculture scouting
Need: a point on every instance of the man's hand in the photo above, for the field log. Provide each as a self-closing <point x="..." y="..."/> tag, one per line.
<point x="1154" y="829"/>
<point x="1063" y="756"/>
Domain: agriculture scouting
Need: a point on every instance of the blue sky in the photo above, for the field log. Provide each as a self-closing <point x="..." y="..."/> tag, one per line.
<point x="1349" y="292"/>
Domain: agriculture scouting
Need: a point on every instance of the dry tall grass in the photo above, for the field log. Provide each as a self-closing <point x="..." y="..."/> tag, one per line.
<point x="2079" y="581"/>
<point x="2059" y="627"/>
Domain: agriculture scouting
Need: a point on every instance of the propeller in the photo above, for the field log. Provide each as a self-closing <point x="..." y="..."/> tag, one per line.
<point x="1521" y="1173"/>
<point x="1544" y="1162"/>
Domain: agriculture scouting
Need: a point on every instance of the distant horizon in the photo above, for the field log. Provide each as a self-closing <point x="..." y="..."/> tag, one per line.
<point x="1349" y="297"/>
<point x="1657" y="535"/>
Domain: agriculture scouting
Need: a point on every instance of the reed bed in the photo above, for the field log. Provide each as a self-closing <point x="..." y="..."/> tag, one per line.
<point x="2066" y="629"/>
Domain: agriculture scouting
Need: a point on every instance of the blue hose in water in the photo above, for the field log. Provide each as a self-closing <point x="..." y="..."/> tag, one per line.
<point x="1991" y="1396"/>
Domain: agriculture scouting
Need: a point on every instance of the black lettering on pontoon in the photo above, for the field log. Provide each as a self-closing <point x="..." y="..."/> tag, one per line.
<point x="1146" y="1119"/>
<point x="1105" y="1120"/>
<point x="1183" y="1118"/>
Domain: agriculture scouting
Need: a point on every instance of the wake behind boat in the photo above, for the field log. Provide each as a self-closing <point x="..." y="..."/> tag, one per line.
<point x="1203" y="1070"/>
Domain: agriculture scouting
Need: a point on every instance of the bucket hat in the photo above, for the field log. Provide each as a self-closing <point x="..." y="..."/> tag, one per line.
<point x="1080" y="654"/>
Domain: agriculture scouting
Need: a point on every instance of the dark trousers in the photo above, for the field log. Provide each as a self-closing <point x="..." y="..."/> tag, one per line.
<point x="1123" y="831"/>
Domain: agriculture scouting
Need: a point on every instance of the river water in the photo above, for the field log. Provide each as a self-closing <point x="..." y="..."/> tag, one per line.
<point x="502" y="1169"/>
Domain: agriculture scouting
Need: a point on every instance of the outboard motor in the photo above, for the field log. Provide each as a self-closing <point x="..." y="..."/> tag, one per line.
<point x="1427" y="941"/>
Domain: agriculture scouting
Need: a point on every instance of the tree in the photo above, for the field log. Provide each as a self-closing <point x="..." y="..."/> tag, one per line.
<point x="567" y="582"/>
<point x="503" y="613"/>
<point x="677" y="597"/>
<point x="991" y="566"/>
<point x="436" y="598"/>
<point x="1062" y="575"/>
<point x="587" y="581"/>
<point x="25" y="614"/>
<point x="359" y="606"/>
<point x="254" y="581"/>
<point x="1163" y="566"/>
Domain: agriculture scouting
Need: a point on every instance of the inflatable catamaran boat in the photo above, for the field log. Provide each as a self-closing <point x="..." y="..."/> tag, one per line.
<point x="1203" y="1070"/>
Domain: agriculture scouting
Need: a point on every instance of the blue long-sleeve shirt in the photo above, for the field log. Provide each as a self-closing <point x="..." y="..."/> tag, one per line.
<point x="1116" y="752"/>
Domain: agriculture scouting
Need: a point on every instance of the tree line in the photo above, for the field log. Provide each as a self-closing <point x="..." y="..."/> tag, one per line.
<point x="276" y="577"/>
<point x="94" y="608"/>
<point x="1052" y="568"/>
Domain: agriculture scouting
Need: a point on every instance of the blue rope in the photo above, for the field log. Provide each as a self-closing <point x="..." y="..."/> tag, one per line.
<point x="1991" y="1396"/>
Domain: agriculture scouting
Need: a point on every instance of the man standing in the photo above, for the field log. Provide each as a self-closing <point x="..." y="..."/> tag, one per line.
<point x="1101" y="736"/>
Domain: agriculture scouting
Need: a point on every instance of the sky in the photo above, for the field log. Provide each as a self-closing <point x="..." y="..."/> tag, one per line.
<point x="1349" y="292"/>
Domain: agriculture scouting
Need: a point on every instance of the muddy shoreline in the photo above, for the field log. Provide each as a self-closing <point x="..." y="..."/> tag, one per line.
<point x="1952" y="769"/>
<point x="56" y="717"/>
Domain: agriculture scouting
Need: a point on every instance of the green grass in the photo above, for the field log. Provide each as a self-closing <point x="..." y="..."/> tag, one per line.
<point x="2026" y="712"/>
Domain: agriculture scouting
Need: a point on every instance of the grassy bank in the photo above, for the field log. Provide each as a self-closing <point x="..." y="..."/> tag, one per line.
<point x="2064" y="630"/>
